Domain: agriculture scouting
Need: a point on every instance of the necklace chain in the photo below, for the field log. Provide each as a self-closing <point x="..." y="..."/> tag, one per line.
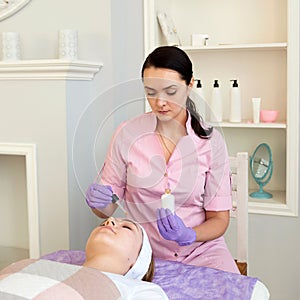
<point x="164" y="144"/>
<point x="167" y="189"/>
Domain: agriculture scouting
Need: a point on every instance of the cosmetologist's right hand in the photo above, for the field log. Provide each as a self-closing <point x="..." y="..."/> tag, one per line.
<point x="99" y="196"/>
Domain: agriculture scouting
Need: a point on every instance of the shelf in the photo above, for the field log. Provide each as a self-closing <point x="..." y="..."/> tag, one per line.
<point x="222" y="47"/>
<point x="273" y="206"/>
<point x="265" y="64"/>
<point x="48" y="69"/>
<point x="249" y="125"/>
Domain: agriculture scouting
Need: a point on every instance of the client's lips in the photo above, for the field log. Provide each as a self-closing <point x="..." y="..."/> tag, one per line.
<point x="107" y="227"/>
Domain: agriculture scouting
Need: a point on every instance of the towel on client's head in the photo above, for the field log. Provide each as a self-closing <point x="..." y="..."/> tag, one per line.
<point x="141" y="266"/>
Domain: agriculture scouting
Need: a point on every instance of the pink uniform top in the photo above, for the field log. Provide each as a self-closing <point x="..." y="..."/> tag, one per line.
<point x="197" y="173"/>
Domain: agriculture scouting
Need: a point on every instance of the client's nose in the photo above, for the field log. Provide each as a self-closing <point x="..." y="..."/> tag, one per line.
<point x="110" y="221"/>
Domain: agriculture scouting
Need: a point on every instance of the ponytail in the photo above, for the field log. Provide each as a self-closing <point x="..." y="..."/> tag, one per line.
<point x="197" y="121"/>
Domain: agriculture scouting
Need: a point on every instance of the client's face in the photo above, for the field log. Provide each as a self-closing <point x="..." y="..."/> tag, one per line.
<point x="121" y="238"/>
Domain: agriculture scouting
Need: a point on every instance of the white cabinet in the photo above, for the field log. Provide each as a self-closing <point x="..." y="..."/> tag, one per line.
<point x="256" y="42"/>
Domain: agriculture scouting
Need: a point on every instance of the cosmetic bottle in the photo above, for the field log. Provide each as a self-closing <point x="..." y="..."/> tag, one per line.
<point x="168" y="201"/>
<point x="200" y="100"/>
<point x="216" y="114"/>
<point x="235" y="102"/>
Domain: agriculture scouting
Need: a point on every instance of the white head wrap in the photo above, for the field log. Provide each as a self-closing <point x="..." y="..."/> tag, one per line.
<point x="141" y="266"/>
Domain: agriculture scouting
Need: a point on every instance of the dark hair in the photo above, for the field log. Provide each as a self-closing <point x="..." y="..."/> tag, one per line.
<point x="171" y="57"/>
<point x="150" y="273"/>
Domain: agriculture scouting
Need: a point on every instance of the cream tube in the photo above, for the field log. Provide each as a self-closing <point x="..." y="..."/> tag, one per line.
<point x="256" y="109"/>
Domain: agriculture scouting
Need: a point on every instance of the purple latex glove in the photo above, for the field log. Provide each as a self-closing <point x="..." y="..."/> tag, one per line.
<point x="99" y="196"/>
<point x="171" y="227"/>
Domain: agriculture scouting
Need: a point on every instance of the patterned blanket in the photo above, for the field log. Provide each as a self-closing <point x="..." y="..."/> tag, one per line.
<point x="181" y="282"/>
<point x="46" y="279"/>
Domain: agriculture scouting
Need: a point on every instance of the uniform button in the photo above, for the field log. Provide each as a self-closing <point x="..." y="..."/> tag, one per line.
<point x="166" y="174"/>
<point x="175" y="254"/>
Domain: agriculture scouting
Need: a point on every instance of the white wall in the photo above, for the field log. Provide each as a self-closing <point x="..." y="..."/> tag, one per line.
<point x="274" y="246"/>
<point x="65" y="119"/>
<point x="43" y="112"/>
<point x="34" y="113"/>
<point x="109" y="104"/>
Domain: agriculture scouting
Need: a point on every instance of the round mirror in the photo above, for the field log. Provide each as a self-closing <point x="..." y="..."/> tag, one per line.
<point x="261" y="166"/>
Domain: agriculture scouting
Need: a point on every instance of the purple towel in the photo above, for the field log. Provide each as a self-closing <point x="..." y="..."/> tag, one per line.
<point x="74" y="257"/>
<point x="181" y="281"/>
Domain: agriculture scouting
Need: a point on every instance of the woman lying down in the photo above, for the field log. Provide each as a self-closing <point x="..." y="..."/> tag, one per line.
<point x="118" y="265"/>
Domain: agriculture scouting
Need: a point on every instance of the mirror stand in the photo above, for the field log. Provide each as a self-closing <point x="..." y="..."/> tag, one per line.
<point x="261" y="166"/>
<point x="261" y="194"/>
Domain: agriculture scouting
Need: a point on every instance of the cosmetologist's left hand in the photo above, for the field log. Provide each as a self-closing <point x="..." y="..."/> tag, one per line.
<point x="172" y="228"/>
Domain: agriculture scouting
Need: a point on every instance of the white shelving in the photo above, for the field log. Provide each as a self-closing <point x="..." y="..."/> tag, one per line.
<point x="239" y="47"/>
<point x="275" y="206"/>
<point x="250" y="125"/>
<point x="264" y="56"/>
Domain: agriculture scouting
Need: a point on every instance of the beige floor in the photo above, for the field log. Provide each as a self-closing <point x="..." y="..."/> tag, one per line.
<point x="9" y="255"/>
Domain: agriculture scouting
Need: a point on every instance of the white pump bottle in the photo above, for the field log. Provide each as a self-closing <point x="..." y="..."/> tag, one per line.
<point x="200" y="100"/>
<point x="216" y="114"/>
<point x="235" y="103"/>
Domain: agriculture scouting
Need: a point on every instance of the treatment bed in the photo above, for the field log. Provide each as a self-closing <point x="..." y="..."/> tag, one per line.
<point x="180" y="281"/>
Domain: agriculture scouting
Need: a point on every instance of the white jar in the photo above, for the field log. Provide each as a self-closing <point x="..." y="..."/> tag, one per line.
<point x="11" y="46"/>
<point x="68" y="44"/>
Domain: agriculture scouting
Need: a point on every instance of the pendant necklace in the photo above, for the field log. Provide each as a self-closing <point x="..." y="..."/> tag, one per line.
<point x="164" y="143"/>
<point x="167" y="199"/>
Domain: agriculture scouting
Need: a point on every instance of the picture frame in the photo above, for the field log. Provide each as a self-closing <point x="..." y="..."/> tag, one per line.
<point x="168" y="29"/>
